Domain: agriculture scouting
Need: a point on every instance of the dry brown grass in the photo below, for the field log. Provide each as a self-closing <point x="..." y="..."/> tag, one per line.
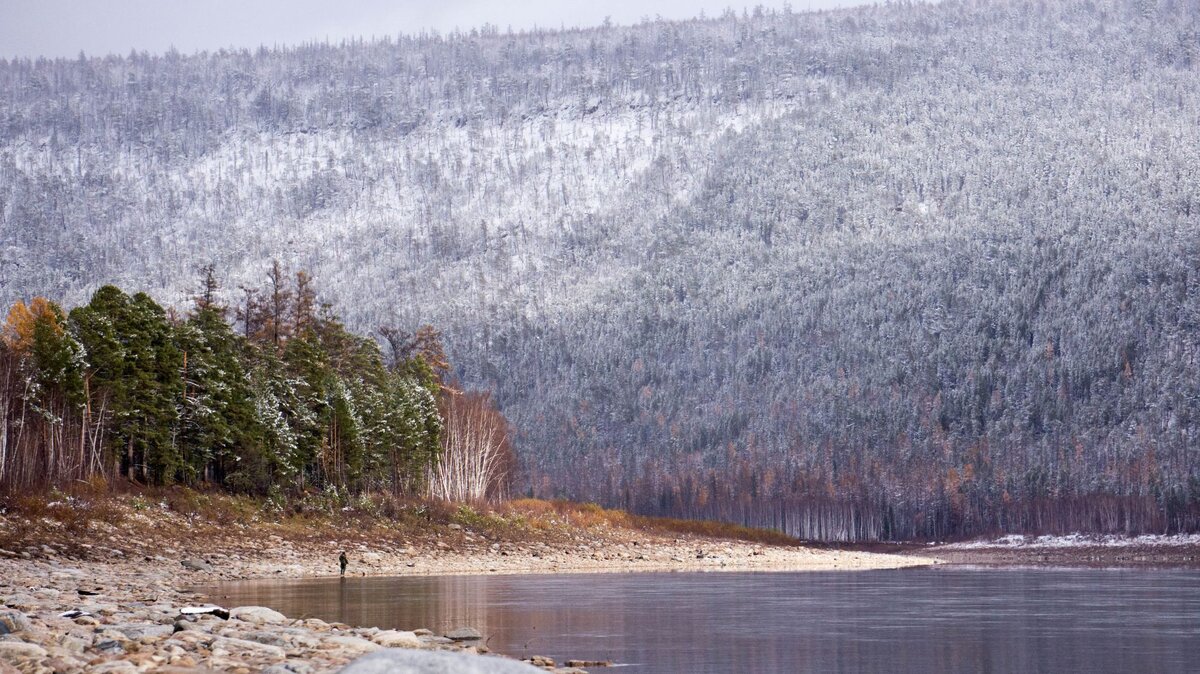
<point x="713" y="529"/>
<point x="64" y="516"/>
<point x="590" y="515"/>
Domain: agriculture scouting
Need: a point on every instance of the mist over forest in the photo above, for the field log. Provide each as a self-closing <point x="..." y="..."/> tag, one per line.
<point x="902" y="271"/>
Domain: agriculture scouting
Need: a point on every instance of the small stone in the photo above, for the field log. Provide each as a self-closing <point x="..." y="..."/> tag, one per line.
<point x="288" y="668"/>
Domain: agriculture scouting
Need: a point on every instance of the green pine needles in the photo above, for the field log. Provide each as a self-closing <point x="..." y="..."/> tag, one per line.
<point x="283" y="399"/>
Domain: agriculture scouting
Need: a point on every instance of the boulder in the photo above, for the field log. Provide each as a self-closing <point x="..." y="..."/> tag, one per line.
<point x="246" y="646"/>
<point x="14" y="622"/>
<point x="15" y="651"/>
<point x="268" y="638"/>
<point x="258" y="615"/>
<point x="403" y="661"/>
<point x="396" y="639"/>
<point x="196" y="564"/>
<point x="108" y="646"/>
<point x="21" y="602"/>
<point x="114" y="667"/>
<point x="137" y="632"/>
<point x="464" y="634"/>
<point x="353" y="644"/>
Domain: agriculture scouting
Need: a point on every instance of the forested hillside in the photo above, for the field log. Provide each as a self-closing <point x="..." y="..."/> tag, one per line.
<point x="909" y="270"/>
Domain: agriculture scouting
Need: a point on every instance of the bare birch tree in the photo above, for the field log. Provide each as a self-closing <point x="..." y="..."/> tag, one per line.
<point x="477" y="458"/>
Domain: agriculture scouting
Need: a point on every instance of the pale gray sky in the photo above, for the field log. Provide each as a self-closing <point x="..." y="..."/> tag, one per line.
<point x="98" y="27"/>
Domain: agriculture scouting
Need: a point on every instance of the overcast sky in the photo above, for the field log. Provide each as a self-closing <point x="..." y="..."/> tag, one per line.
<point x="98" y="27"/>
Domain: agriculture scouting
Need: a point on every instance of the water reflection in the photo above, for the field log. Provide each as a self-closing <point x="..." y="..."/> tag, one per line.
<point x="895" y="621"/>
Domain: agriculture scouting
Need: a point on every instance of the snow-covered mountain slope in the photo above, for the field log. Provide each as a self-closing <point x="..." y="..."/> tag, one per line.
<point x="931" y="259"/>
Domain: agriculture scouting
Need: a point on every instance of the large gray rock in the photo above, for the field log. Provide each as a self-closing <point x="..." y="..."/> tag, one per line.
<point x="21" y="602"/>
<point x="464" y="634"/>
<point x="14" y="651"/>
<point x="402" y="661"/>
<point x="354" y="645"/>
<point x="257" y="614"/>
<point x="114" y="667"/>
<point x="196" y="564"/>
<point x="137" y="632"/>
<point x="396" y="639"/>
<point x="14" y="622"/>
<point x="236" y="645"/>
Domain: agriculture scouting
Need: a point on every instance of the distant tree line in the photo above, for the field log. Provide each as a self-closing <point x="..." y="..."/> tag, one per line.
<point x="284" y="397"/>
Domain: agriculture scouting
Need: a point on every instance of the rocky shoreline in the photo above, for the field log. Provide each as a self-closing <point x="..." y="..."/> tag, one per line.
<point x="122" y="617"/>
<point x="126" y="602"/>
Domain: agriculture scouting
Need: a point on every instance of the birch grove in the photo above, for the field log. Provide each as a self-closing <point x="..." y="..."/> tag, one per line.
<point x="476" y="459"/>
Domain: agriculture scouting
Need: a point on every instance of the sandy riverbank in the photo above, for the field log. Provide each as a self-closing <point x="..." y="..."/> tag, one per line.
<point x="130" y="575"/>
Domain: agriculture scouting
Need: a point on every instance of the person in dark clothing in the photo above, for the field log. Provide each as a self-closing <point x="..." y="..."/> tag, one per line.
<point x="342" y="562"/>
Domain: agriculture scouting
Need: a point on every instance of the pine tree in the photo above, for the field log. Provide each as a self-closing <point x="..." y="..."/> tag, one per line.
<point x="218" y="428"/>
<point x="137" y="367"/>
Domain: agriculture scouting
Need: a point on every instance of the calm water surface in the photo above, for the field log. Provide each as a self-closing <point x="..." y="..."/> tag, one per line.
<point x="922" y="620"/>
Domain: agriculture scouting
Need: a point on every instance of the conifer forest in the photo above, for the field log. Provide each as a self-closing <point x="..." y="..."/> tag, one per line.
<point x="904" y="271"/>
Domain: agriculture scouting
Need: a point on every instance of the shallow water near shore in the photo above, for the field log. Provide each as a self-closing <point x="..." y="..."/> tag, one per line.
<point x="914" y="620"/>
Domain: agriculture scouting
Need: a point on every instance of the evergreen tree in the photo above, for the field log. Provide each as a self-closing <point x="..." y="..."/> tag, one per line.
<point x="136" y="364"/>
<point x="218" y="427"/>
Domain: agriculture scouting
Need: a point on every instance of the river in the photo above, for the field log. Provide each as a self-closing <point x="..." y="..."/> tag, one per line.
<point x="918" y="620"/>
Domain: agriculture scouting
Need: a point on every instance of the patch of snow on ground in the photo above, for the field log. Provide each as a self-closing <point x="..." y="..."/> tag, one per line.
<point x="1079" y="540"/>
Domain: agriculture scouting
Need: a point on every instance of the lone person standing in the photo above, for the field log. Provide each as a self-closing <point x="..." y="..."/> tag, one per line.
<point x="342" y="562"/>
